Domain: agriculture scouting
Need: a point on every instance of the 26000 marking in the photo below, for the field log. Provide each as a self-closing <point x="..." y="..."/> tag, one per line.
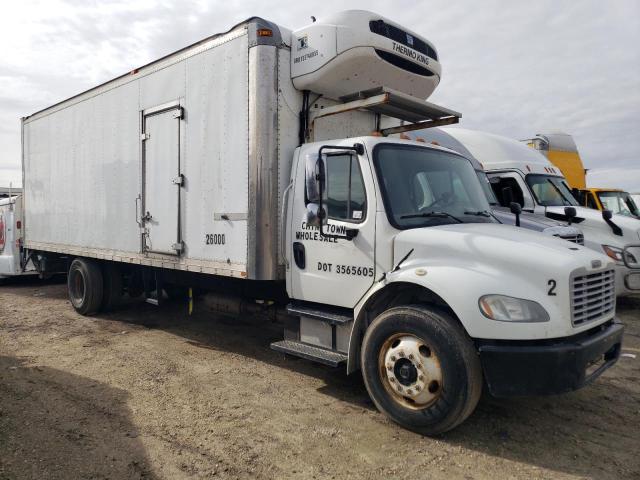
<point x="214" y="239"/>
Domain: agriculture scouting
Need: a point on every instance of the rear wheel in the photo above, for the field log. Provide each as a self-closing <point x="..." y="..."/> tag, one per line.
<point x="85" y="286"/>
<point x="421" y="369"/>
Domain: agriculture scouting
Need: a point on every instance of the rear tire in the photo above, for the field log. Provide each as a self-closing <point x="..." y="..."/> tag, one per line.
<point x="421" y="369"/>
<point x="85" y="286"/>
<point x="113" y="287"/>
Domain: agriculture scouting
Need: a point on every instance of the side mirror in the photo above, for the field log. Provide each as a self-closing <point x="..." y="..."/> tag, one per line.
<point x="315" y="217"/>
<point x="570" y="213"/>
<point x="607" y="215"/>
<point x="516" y="209"/>
<point x="507" y="196"/>
<point x="314" y="174"/>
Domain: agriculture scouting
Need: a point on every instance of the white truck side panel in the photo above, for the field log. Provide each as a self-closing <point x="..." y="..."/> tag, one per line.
<point x="83" y="167"/>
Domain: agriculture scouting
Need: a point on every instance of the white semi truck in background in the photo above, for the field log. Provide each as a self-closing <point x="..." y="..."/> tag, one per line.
<point x="540" y="188"/>
<point x="245" y="165"/>
<point x="12" y="236"/>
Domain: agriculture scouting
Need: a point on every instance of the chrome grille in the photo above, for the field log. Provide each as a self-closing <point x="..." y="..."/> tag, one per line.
<point x="579" y="239"/>
<point x="593" y="296"/>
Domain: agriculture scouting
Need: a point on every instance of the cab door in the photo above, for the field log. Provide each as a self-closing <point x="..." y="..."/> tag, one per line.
<point x="327" y="267"/>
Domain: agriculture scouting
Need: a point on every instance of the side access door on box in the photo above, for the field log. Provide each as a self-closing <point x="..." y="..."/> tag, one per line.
<point x="161" y="180"/>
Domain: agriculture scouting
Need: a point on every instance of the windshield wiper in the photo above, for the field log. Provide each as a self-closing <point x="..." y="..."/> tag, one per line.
<point x="431" y="215"/>
<point x="559" y="191"/>
<point x="479" y="213"/>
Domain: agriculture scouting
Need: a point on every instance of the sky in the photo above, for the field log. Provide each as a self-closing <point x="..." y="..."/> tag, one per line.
<point x="513" y="68"/>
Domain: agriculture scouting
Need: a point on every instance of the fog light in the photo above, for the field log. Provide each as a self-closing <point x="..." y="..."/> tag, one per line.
<point x="632" y="281"/>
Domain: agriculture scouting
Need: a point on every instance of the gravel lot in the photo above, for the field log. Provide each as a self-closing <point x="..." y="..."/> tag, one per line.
<point x="152" y="393"/>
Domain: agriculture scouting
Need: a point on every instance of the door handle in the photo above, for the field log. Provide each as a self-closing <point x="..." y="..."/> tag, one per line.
<point x="138" y="219"/>
<point x="299" y="255"/>
<point x="146" y="217"/>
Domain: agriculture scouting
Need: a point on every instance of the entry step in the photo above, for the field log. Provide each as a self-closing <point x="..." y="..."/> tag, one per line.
<point x="317" y="354"/>
<point x="333" y="315"/>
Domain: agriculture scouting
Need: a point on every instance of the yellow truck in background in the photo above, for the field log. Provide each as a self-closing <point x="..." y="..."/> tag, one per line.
<point x="561" y="150"/>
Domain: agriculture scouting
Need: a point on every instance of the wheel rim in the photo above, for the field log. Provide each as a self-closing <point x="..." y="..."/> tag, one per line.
<point x="77" y="289"/>
<point x="410" y="371"/>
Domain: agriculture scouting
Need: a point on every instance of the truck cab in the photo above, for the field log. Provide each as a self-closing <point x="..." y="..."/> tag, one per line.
<point x="616" y="200"/>
<point x="540" y="188"/>
<point x="393" y="249"/>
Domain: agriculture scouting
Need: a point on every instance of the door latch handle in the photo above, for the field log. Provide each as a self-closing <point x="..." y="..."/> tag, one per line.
<point x="146" y="217"/>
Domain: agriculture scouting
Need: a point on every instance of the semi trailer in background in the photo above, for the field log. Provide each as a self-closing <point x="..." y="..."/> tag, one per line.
<point x="260" y="164"/>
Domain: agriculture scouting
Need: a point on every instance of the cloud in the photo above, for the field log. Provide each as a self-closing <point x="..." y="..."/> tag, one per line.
<point x="511" y="69"/>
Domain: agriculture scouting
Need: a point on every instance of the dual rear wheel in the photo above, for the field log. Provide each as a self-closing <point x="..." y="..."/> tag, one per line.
<point x="94" y="287"/>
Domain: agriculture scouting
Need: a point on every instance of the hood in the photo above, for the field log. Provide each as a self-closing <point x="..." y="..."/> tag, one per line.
<point x="528" y="220"/>
<point x="588" y="219"/>
<point x="497" y="246"/>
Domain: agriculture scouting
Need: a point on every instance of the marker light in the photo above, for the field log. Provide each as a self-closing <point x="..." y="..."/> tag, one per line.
<point x="616" y="254"/>
<point x="265" y="32"/>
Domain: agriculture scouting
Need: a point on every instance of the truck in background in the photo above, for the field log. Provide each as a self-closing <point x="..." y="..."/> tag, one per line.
<point x="245" y="165"/>
<point x="504" y="214"/>
<point x="12" y="237"/>
<point x="520" y="173"/>
<point x="562" y="152"/>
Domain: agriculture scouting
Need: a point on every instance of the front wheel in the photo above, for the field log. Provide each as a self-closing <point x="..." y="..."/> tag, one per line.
<point x="421" y="369"/>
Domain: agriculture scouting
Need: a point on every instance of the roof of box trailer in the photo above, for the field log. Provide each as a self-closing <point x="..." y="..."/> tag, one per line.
<point x="169" y="55"/>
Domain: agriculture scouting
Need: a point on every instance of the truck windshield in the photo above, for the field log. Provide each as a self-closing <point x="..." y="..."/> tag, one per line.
<point x="619" y="202"/>
<point x="424" y="187"/>
<point x="550" y="191"/>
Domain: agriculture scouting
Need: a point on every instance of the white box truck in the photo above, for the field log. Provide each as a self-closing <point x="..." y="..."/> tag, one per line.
<point x="246" y="164"/>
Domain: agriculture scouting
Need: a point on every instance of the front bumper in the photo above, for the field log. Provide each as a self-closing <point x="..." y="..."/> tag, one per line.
<point x="519" y="368"/>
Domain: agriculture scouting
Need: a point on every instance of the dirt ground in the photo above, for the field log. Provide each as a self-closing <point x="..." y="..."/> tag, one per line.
<point x="152" y="393"/>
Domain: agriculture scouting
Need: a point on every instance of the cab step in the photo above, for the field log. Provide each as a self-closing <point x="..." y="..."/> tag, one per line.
<point x="310" y="352"/>
<point x="331" y="315"/>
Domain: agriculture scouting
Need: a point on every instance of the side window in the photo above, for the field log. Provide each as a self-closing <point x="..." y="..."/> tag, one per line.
<point x="504" y="182"/>
<point x="344" y="195"/>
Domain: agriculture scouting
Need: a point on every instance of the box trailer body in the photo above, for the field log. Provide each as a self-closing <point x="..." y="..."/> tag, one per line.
<point x="259" y="164"/>
<point x="196" y="141"/>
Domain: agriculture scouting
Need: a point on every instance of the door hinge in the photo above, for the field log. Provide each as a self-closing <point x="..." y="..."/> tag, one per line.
<point x="178" y="112"/>
<point x="144" y="136"/>
<point x="179" y="180"/>
<point x="178" y="247"/>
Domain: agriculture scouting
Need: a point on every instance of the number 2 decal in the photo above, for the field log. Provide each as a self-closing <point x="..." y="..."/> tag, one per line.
<point x="552" y="288"/>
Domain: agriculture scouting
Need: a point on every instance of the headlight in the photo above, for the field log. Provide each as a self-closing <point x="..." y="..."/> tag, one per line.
<point x="616" y="254"/>
<point x="509" y="309"/>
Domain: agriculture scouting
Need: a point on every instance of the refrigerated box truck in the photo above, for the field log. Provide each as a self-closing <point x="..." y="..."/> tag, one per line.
<point x="260" y="164"/>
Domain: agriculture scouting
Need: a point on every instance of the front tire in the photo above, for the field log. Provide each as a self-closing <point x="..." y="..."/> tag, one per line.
<point x="84" y="283"/>
<point x="421" y="369"/>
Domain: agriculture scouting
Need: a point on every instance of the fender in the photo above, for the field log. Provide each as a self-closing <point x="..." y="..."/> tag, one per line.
<point x="409" y="276"/>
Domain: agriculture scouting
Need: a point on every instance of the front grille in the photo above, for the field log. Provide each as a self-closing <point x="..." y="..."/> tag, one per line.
<point x="397" y="34"/>
<point x="579" y="239"/>
<point x="593" y="296"/>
